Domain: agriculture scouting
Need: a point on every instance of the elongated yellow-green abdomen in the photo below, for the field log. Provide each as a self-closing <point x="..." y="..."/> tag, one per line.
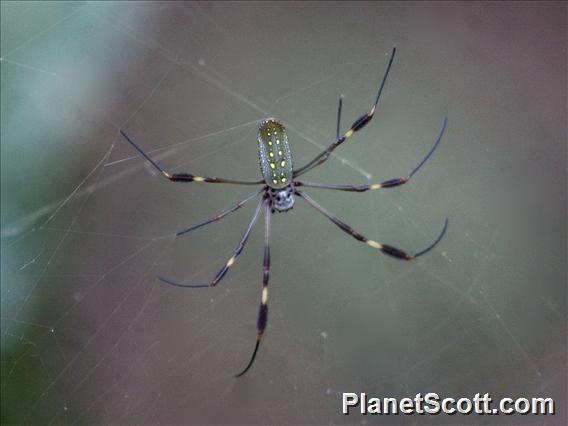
<point x="274" y="154"/>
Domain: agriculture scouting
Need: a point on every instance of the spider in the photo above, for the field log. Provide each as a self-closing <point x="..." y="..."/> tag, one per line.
<point x="277" y="195"/>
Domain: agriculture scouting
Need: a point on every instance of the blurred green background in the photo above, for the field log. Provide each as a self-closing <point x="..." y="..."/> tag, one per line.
<point x="90" y="336"/>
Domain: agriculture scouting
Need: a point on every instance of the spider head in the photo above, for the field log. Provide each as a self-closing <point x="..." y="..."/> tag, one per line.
<point x="282" y="199"/>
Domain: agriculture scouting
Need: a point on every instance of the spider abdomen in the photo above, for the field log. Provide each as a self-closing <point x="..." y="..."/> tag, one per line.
<point x="274" y="154"/>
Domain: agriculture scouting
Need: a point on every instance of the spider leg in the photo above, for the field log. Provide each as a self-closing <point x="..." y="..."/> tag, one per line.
<point x="391" y="183"/>
<point x="232" y="259"/>
<point x="338" y="128"/>
<point x="223" y="213"/>
<point x="355" y="127"/>
<point x="263" y="309"/>
<point x="185" y="177"/>
<point x="386" y="249"/>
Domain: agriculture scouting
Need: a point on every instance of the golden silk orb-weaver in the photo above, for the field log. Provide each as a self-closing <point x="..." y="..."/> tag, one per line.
<point x="280" y="186"/>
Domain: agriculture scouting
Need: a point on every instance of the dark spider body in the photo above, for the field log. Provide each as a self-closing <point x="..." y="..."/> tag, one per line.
<point x="275" y="160"/>
<point x="280" y="186"/>
<point x="275" y="157"/>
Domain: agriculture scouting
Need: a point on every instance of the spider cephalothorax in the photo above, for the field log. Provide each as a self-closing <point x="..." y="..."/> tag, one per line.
<point x="281" y="185"/>
<point x="282" y="200"/>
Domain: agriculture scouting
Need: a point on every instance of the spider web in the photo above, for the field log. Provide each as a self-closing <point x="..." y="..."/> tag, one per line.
<point x="90" y="336"/>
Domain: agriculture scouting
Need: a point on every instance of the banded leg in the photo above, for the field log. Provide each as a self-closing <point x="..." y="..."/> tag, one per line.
<point x="386" y="249"/>
<point x="263" y="309"/>
<point x="338" y="128"/>
<point x="391" y="183"/>
<point x="223" y="213"/>
<point x="355" y="127"/>
<point x="185" y="177"/>
<point x="230" y="262"/>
